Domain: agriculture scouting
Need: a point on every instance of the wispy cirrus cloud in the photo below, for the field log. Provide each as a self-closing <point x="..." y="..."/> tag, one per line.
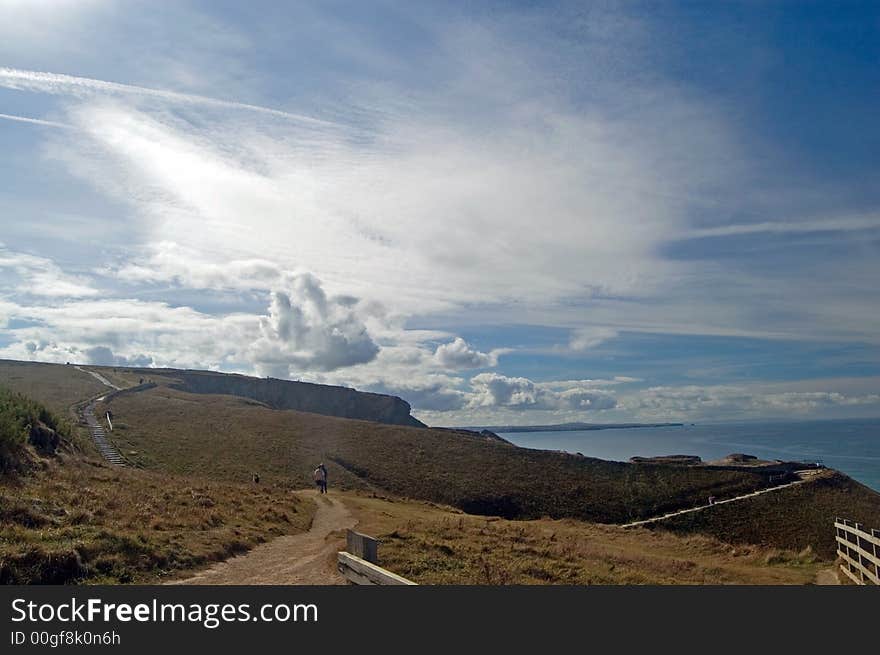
<point x="81" y="87"/>
<point x="35" y="121"/>
<point x="830" y="224"/>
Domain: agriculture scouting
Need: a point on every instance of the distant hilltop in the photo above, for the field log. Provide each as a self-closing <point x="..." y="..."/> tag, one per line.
<point x="43" y="381"/>
<point x="569" y="427"/>
<point x="300" y="396"/>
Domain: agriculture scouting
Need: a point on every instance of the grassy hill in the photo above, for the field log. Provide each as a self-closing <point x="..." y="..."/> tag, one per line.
<point x="189" y="443"/>
<point x="56" y="386"/>
<point x="796" y="517"/>
<point x="67" y="518"/>
<point x="228" y="438"/>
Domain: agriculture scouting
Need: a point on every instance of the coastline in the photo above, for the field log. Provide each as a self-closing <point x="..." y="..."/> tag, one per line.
<point x="851" y="446"/>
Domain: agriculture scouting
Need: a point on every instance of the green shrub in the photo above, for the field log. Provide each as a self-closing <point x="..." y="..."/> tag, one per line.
<point x="23" y="420"/>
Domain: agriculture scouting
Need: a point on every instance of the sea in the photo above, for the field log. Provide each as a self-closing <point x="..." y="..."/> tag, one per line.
<point x="851" y="446"/>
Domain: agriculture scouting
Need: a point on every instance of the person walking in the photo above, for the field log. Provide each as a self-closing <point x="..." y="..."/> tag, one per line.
<point x="321" y="478"/>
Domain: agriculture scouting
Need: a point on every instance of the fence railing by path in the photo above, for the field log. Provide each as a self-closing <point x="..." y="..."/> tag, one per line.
<point x="359" y="563"/>
<point x="859" y="548"/>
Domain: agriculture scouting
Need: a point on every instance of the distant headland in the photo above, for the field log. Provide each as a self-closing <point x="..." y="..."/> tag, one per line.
<point x="570" y="427"/>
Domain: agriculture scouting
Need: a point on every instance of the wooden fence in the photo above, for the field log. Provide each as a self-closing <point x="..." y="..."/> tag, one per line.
<point x="358" y="564"/>
<point x="859" y="548"/>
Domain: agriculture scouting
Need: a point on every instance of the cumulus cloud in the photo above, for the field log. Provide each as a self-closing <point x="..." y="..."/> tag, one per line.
<point x="459" y="355"/>
<point x="494" y="390"/>
<point x="425" y="395"/>
<point x="307" y="330"/>
<point x="104" y="356"/>
<point x="173" y="336"/>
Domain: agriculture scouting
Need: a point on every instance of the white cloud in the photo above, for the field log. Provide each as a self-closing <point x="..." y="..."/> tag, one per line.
<point x="171" y="262"/>
<point x="34" y="121"/>
<point x="459" y="355"/>
<point x="131" y="329"/>
<point x="589" y="337"/>
<point x="40" y="276"/>
<point x="426" y="395"/>
<point x="307" y="330"/>
<point x="104" y="356"/>
<point x="419" y="205"/>
<point x="70" y="85"/>
<point x="494" y="390"/>
<point x="728" y="401"/>
<point x="828" y="224"/>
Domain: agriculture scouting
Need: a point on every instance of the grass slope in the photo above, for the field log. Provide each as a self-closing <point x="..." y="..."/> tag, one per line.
<point x="435" y="545"/>
<point x="65" y="518"/>
<point x="56" y="386"/>
<point x="796" y="517"/>
<point x="227" y="438"/>
<point x="76" y="521"/>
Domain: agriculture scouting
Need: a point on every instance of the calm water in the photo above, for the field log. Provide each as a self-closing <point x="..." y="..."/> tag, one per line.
<point x="851" y="446"/>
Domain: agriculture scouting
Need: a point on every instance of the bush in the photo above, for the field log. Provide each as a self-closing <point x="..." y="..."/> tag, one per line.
<point x="23" y="420"/>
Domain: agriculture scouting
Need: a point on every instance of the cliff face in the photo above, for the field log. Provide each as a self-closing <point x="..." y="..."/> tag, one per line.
<point x="300" y="396"/>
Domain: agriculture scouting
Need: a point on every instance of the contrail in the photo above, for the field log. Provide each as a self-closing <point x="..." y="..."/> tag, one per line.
<point x="849" y="223"/>
<point x="59" y="84"/>
<point x="35" y="121"/>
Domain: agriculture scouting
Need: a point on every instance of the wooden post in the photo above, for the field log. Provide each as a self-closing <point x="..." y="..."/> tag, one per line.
<point x="362" y="546"/>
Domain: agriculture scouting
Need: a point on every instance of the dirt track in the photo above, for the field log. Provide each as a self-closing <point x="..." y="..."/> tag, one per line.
<point x="301" y="559"/>
<point x="827" y="577"/>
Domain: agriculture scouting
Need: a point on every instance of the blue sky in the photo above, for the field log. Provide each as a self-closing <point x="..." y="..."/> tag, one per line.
<point x="502" y="212"/>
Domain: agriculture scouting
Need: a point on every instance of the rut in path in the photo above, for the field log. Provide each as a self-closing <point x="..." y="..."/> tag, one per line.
<point x="299" y="559"/>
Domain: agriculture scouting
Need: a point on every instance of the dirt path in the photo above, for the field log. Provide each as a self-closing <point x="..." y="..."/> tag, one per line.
<point x="719" y="502"/>
<point x="827" y="577"/>
<point x="100" y="378"/>
<point x="301" y="559"/>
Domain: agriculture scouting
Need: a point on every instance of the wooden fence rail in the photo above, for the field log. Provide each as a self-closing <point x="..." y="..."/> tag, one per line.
<point x="359" y="565"/>
<point x="859" y="548"/>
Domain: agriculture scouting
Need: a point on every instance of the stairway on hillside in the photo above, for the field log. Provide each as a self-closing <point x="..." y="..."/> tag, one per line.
<point x="96" y="429"/>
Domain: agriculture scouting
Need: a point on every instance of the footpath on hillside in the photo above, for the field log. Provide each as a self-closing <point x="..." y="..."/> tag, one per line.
<point x="805" y="476"/>
<point x="307" y="558"/>
<point x="96" y="429"/>
<point x="100" y="378"/>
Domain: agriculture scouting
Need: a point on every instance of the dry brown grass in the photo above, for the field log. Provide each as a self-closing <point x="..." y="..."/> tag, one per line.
<point x="795" y="518"/>
<point x="56" y="386"/>
<point x="74" y="520"/>
<point x="431" y="544"/>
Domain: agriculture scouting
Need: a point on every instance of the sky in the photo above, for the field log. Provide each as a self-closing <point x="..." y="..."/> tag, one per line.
<point x="505" y="213"/>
